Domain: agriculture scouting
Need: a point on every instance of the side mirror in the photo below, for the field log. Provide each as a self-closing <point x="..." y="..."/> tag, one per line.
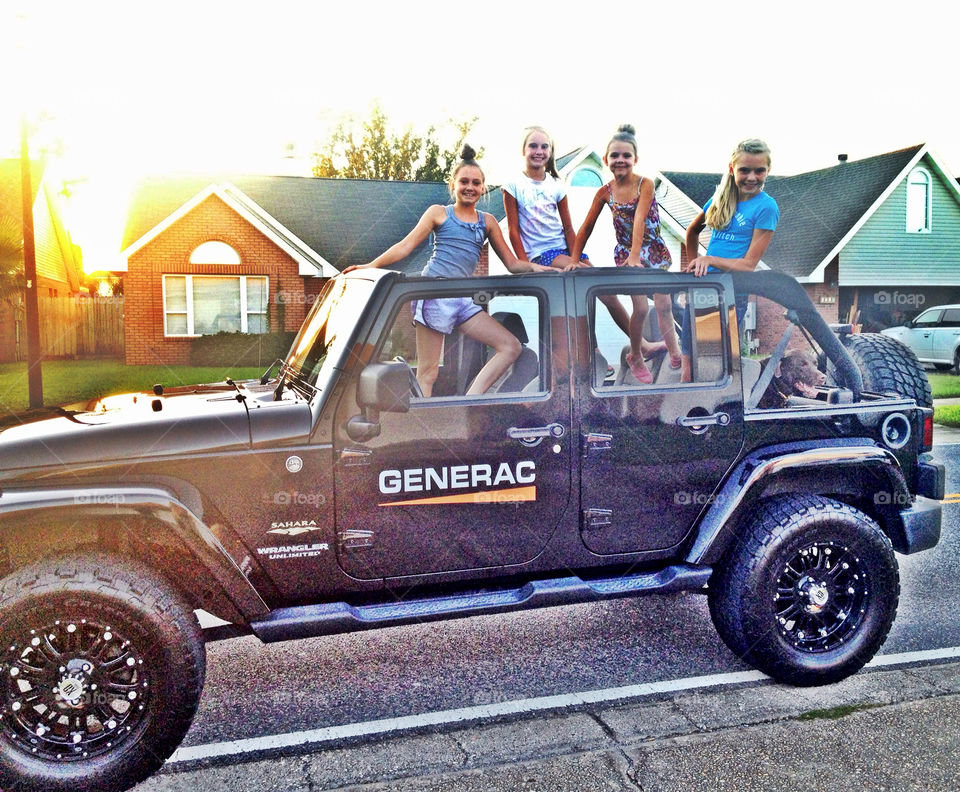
<point x="382" y="387"/>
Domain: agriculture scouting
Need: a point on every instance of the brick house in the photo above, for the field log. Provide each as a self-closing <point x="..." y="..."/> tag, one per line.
<point x="873" y="241"/>
<point x="250" y="253"/>
<point x="59" y="268"/>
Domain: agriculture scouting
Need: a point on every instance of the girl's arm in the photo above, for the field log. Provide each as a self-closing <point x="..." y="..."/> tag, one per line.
<point x="640" y="223"/>
<point x="431" y="219"/>
<point x="500" y="247"/>
<point x="758" y="246"/>
<point x="569" y="237"/>
<point x="692" y="242"/>
<point x="588" y="223"/>
<point x="513" y="225"/>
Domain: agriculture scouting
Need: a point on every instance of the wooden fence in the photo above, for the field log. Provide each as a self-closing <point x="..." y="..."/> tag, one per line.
<point x="77" y="326"/>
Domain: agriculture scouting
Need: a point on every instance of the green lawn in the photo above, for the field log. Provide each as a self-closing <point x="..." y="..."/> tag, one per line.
<point x="948" y="415"/>
<point x="67" y="381"/>
<point x="944" y="386"/>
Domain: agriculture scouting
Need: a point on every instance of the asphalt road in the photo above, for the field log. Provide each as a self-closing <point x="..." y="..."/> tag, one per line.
<point x="255" y="689"/>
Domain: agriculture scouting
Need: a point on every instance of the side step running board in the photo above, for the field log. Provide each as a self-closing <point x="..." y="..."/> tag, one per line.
<point x="340" y="617"/>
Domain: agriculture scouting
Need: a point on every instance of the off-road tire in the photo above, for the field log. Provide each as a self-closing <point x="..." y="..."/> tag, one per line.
<point x="80" y="636"/>
<point x="888" y="366"/>
<point x="809" y="593"/>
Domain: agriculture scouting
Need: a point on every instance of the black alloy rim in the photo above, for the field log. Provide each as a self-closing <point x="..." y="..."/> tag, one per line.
<point x="72" y="690"/>
<point x="821" y="597"/>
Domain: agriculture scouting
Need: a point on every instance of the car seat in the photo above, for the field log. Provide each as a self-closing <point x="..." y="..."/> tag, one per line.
<point x="527" y="366"/>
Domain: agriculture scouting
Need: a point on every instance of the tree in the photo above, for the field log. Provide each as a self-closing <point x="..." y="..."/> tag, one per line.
<point x="375" y="151"/>
<point x="12" y="281"/>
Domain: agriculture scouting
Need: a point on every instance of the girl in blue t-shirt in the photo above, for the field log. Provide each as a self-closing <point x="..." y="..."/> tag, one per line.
<point x="743" y="218"/>
<point x="460" y="231"/>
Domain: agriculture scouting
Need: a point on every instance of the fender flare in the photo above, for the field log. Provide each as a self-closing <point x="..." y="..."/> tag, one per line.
<point x="715" y="528"/>
<point x="139" y="502"/>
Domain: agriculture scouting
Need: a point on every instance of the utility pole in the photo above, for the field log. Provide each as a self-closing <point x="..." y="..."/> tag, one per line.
<point x="31" y="303"/>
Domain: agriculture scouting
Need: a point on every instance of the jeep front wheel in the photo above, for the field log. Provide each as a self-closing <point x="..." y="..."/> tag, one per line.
<point x="809" y="595"/>
<point x="100" y="674"/>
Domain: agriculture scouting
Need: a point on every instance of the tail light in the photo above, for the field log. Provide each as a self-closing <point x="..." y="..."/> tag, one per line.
<point x="927" y="431"/>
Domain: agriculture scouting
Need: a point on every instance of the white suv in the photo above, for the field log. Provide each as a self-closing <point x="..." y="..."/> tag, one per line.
<point x="934" y="336"/>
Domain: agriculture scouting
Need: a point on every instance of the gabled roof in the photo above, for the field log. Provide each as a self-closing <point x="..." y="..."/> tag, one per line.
<point x="334" y="222"/>
<point x="819" y="210"/>
<point x="57" y="258"/>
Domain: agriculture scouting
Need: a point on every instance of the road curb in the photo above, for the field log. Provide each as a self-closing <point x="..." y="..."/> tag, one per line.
<point x="614" y="743"/>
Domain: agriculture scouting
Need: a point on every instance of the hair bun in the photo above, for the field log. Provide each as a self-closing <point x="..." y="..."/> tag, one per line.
<point x="467" y="152"/>
<point x="630" y="129"/>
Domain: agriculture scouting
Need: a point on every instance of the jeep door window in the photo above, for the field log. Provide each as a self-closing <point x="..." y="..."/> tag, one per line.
<point x="612" y="344"/>
<point x="463" y="357"/>
<point x="327" y="329"/>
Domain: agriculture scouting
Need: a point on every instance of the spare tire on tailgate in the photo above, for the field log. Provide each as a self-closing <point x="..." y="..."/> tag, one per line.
<point x="888" y="366"/>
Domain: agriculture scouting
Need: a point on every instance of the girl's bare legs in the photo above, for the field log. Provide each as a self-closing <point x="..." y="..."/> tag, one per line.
<point x="429" y="349"/>
<point x="635" y="356"/>
<point x="507" y="348"/>
<point x="685" y="369"/>
<point x="668" y="329"/>
<point x="622" y="320"/>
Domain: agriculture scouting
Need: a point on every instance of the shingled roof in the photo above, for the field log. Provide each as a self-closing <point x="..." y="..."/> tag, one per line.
<point x="343" y="221"/>
<point x="817" y="209"/>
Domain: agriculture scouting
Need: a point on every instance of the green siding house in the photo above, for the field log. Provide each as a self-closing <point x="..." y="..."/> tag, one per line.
<point x="874" y="241"/>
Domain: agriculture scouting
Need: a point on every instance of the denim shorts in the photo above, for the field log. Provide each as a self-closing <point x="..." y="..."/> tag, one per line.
<point x="444" y="314"/>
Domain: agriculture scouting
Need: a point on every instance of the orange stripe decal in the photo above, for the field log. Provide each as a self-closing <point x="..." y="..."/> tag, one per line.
<point x="513" y="495"/>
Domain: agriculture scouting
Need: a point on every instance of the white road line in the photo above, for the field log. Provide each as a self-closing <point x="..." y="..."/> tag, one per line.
<point x="333" y="733"/>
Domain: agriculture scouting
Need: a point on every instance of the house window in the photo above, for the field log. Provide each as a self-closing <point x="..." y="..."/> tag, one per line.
<point x="918" y="201"/>
<point x="214" y="253"/>
<point x="203" y="304"/>
<point x="586" y="177"/>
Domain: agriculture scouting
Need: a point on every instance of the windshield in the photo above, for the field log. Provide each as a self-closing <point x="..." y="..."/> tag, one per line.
<point x="328" y="326"/>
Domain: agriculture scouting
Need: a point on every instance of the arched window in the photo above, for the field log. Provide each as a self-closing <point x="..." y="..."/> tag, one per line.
<point x="214" y="253"/>
<point x="586" y="177"/>
<point x="918" y="201"/>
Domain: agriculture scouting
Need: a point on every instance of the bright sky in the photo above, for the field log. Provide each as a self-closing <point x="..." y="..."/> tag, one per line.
<point x="156" y="87"/>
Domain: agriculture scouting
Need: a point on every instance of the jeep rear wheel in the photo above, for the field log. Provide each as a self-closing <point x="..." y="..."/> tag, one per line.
<point x="888" y="366"/>
<point x="809" y="595"/>
<point x="100" y="674"/>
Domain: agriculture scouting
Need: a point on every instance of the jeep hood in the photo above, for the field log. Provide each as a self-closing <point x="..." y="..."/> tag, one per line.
<point x="130" y="426"/>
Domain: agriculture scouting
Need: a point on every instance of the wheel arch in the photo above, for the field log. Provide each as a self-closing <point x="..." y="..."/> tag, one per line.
<point x="864" y="476"/>
<point x="145" y="523"/>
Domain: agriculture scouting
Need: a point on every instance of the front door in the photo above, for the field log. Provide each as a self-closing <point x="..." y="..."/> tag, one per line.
<point x="654" y="454"/>
<point x="461" y="482"/>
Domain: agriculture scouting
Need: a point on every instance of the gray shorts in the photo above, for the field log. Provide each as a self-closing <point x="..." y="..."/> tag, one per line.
<point x="444" y="314"/>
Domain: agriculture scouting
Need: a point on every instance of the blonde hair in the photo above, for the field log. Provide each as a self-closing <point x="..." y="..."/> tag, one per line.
<point x="551" y="165"/>
<point x="727" y="196"/>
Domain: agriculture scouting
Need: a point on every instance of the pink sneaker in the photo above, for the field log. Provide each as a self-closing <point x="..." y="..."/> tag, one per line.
<point x="639" y="369"/>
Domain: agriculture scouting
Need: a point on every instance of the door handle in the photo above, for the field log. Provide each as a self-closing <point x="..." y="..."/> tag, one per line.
<point x="536" y="432"/>
<point x="697" y="421"/>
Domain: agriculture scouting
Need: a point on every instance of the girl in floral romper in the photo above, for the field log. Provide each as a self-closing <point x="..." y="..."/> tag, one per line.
<point x="638" y="244"/>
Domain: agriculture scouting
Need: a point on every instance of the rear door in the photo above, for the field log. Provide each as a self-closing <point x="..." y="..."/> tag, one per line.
<point x="461" y="482"/>
<point x="653" y="455"/>
<point x="946" y="336"/>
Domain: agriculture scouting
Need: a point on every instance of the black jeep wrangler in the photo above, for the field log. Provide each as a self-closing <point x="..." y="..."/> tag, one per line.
<point x="331" y="496"/>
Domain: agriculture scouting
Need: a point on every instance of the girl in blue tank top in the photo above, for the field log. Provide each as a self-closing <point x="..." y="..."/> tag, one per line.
<point x="459" y="233"/>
